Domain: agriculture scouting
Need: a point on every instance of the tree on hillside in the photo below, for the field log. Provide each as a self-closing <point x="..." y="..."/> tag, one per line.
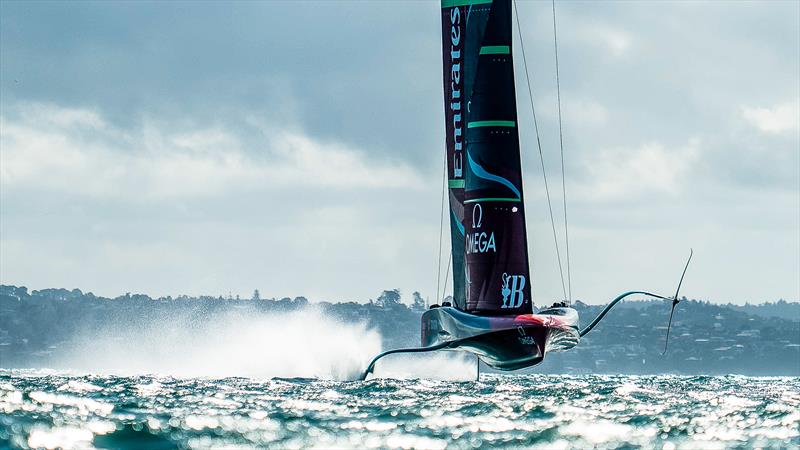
<point x="388" y="299"/>
<point x="418" y="302"/>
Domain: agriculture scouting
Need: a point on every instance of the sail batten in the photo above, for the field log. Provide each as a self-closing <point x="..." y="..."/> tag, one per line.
<point x="492" y="199"/>
<point x="492" y="123"/>
<point x="452" y="3"/>
<point x="495" y="50"/>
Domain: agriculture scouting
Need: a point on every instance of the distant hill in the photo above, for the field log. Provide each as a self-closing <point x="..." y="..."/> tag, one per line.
<point x="706" y="338"/>
<point x="781" y="309"/>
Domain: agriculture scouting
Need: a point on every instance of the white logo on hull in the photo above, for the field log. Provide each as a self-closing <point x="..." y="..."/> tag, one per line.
<point x="524" y="339"/>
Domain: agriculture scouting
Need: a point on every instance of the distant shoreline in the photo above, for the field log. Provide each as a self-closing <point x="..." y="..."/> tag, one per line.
<point x="39" y="327"/>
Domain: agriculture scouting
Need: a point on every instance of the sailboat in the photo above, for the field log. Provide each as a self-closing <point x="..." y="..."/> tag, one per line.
<point x="492" y="314"/>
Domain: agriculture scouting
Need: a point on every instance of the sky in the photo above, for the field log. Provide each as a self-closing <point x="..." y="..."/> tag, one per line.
<point x="296" y="147"/>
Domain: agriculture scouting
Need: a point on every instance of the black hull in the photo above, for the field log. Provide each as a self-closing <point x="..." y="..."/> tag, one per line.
<point x="502" y="342"/>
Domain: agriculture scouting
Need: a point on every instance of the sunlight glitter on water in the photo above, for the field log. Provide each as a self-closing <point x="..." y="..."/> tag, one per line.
<point x="51" y="410"/>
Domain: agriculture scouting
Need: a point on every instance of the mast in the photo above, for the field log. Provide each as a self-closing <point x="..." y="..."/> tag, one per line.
<point x="454" y="52"/>
<point x="490" y="252"/>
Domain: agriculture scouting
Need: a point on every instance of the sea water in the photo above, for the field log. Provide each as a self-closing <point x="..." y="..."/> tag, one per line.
<point x="49" y="409"/>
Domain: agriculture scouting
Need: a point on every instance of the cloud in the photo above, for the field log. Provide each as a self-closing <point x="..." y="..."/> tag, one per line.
<point x="168" y="208"/>
<point x="637" y="172"/>
<point x="781" y="118"/>
<point x="585" y="112"/>
<point x="617" y="42"/>
<point x="77" y="151"/>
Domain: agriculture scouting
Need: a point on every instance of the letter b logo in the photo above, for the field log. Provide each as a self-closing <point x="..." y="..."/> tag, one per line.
<point x="512" y="291"/>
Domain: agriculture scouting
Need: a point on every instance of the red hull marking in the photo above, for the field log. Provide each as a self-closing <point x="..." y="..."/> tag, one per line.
<point x="542" y="320"/>
<point x="502" y="323"/>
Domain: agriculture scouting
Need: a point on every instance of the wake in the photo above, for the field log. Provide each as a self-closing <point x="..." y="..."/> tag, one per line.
<point x="302" y="343"/>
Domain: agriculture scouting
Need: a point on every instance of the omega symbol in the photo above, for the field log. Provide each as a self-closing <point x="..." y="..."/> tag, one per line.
<point x="477" y="215"/>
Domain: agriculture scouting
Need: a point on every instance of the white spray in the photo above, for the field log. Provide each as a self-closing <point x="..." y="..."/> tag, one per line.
<point x="302" y="343"/>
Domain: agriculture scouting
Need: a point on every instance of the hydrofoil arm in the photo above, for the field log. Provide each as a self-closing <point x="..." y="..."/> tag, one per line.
<point x="674" y="299"/>
<point x="608" y="307"/>
<point x="371" y="366"/>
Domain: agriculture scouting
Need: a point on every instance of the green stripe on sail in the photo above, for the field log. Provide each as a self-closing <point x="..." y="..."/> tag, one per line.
<point x="454" y="184"/>
<point x="492" y="199"/>
<point x="495" y="50"/>
<point x="492" y="123"/>
<point x="452" y="3"/>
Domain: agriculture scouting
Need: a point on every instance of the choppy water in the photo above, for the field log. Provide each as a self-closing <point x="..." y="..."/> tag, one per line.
<point x="58" y="410"/>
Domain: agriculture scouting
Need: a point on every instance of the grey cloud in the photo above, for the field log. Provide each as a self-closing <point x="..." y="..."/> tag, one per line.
<point x="349" y="70"/>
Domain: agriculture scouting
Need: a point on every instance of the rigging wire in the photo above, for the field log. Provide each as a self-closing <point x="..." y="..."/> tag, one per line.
<point x="541" y="155"/>
<point x="561" y="144"/>
<point x="441" y="226"/>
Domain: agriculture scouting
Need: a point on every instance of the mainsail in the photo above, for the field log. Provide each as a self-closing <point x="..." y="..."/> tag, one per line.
<point x="487" y="219"/>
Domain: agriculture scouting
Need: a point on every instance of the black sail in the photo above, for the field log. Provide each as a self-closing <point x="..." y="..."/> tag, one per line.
<point x="486" y="200"/>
